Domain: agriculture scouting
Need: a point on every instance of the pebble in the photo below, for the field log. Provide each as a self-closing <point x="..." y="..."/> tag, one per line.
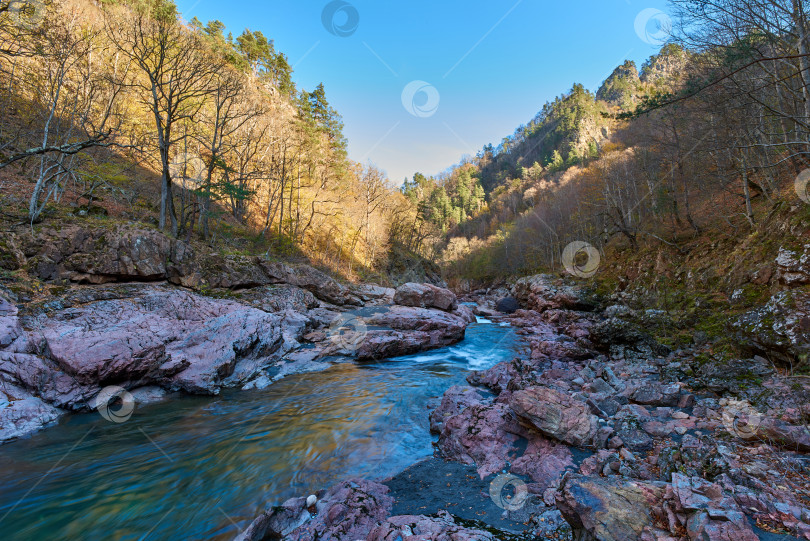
<point x="680" y="430"/>
<point x="680" y="415"/>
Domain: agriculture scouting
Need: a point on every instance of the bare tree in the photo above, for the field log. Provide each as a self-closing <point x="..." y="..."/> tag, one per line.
<point x="175" y="74"/>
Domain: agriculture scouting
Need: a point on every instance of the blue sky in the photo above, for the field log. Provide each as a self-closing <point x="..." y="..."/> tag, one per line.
<point x="489" y="65"/>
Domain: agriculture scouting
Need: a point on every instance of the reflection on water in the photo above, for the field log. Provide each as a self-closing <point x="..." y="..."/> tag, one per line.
<point x="196" y="467"/>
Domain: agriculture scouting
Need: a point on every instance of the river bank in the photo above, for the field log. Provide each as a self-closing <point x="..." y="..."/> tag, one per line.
<point x="600" y="432"/>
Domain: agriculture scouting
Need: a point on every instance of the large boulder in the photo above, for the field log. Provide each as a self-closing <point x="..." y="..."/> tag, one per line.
<point x="278" y="298"/>
<point x="403" y="330"/>
<point x="616" y="509"/>
<point x="793" y="267"/>
<point x="610" y="509"/>
<point x="97" y="255"/>
<point x="453" y="401"/>
<point x="507" y="305"/>
<point x="780" y="329"/>
<point x="486" y="435"/>
<point x="542" y="292"/>
<point x="425" y="296"/>
<point x="556" y="414"/>
<point x="231" y="271"/>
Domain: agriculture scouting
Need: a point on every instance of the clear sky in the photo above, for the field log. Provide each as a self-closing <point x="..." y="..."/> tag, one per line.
<point x="484" y="67"/>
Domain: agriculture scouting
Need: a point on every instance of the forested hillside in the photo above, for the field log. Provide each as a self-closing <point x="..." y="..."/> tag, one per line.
<point x="703" y="141"/>
<point x="121" y="110"/>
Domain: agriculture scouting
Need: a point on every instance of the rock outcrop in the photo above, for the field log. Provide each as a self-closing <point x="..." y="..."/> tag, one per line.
<point x="168" y="339"/>
<point x="780" y="329"/>
<point x="127" y="253"/>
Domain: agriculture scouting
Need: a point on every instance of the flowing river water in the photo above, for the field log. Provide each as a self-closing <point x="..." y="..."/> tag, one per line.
<point x="201" y="467"/>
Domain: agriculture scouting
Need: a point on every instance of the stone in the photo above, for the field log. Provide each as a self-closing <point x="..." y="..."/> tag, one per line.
<point x="608" y="509"/>
<point x="793" y="267"/>
<point x="453" y="401"/>
<point x="316" y="282"/>
<point x="21" y="414"/>
<point x="556" y="415"/>
<point x="657" y="394"/>
<point x="780" y="329"/>
<point x="507" y="305"/>
<point x="425" y="296"/>
<point x="544" y="292"/>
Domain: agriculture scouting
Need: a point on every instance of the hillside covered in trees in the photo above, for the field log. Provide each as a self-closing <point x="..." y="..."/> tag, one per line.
<point x="705" y="139"/>
<point x="121" y="110"/>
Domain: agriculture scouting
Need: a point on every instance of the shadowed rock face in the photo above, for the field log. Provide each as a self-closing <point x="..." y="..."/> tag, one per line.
<point x="128" y="253"/>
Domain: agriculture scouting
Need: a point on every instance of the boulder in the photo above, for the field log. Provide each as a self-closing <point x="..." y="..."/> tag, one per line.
<point x="277" y="522"/>
<point x="657" y="394"/>
<point x="425" y="296"/>
<point x="453" y="401"/>
<point x="780" y="329"/>
<point x="556" y="415"/>
<point x="278" y="298"/>
<point x="97" y="255"/>
<point x="232" y="271"/>
<point x="507" y="305"/>
<point x="542" y="292"/>
<point x="372" y="293"/>
<point x="793" y="267"/>
<point x="486" y="435"/>
<point x="403" y="330"/>
<point x="609" y="508"/>
<point x="481" y="434"/>
<point x="614" y="509"/>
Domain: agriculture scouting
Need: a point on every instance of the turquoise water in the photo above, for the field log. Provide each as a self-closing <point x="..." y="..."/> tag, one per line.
<point x="203" y="467"/>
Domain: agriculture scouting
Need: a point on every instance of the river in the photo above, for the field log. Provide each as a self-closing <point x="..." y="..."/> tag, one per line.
<point x="201" y="467"/>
